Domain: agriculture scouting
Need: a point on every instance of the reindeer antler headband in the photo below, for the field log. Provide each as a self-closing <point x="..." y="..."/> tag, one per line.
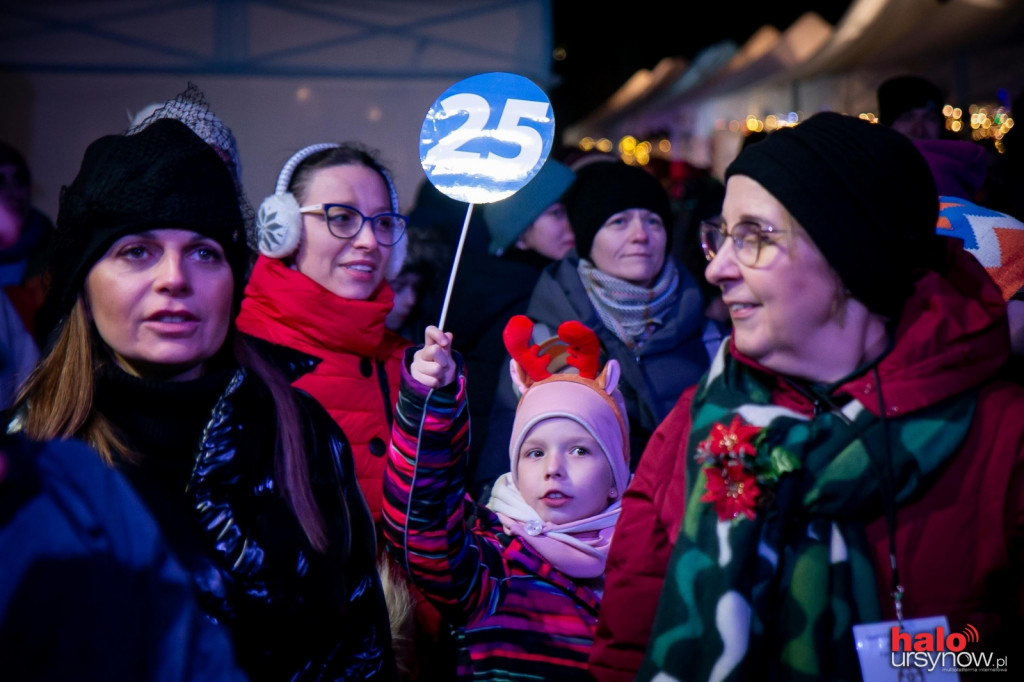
<point x="583" y="348"/>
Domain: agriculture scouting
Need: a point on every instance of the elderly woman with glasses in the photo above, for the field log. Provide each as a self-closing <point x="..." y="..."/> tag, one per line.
<point x="850" y="457"/>
<point x="329" y="238"/>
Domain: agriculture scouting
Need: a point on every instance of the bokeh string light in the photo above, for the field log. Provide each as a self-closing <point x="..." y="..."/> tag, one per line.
<point x="982" y="122"/>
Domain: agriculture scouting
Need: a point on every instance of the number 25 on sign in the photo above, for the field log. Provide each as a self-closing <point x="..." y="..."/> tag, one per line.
<point x="486" y="137"/>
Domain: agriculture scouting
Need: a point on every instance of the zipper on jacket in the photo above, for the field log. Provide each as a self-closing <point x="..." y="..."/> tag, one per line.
<point x="389" y="407"/>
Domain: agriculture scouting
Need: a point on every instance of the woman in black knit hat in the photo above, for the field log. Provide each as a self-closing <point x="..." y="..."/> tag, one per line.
<point x="621" y="281"/>
<point x="849" y="459"/>
<point x="251" y="482"/>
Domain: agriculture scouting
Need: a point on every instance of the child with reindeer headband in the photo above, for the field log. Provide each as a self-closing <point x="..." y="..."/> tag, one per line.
<point x="520" y="579"/>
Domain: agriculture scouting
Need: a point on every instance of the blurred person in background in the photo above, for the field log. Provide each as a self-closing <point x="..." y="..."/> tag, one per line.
<point x="88" y="584"/>
<point x="912" y="105"/>
<point x="23" y="243"/>
<point x="995" y="238"/>
<point x="415" y="278"/>
<point x="18" y="350"/>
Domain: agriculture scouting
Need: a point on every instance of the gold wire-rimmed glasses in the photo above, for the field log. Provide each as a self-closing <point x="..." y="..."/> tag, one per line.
<point x="748" y="239"/>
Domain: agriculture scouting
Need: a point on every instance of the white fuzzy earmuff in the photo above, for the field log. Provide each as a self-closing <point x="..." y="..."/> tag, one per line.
<point x="278" y="222"/>
<point x="278" y="226"/>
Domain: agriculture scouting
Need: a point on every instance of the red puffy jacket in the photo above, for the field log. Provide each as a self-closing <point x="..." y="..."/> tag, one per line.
<point x="358" y="376"/>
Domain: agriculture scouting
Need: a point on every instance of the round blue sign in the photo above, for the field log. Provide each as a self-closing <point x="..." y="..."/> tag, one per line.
<point x="486" y="136"/>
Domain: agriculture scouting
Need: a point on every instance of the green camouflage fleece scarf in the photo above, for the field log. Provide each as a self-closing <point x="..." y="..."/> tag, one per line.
<point x="772" y="567"/>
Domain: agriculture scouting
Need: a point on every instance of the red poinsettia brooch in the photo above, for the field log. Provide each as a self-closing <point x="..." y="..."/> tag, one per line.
<point x="739" y="473"/>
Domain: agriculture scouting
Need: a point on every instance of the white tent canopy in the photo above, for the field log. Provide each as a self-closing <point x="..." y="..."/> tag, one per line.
<point x="282" y="75"/>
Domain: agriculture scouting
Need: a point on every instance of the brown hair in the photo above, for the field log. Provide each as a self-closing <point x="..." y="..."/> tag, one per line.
<point x="348" y="154"/>
<point x="57" y="401"/>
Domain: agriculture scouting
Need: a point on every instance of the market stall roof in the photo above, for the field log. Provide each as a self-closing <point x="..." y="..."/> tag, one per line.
<point x="765" y="54"/>
<point x="720" y="67"/>
<point x="644" y="86"/>
<point x="641" y="87"/>
<point x="878" y="33"/>
<point x="876" y="36"/>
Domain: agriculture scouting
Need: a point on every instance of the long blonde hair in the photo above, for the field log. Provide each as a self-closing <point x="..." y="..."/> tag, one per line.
<point x="57" y="401"/>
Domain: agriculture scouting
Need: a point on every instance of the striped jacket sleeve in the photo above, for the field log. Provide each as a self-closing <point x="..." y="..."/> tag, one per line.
<point x="430" y="523"/>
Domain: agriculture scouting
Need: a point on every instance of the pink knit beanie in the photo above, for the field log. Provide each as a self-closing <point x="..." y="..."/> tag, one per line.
<point x="584" y="402"/>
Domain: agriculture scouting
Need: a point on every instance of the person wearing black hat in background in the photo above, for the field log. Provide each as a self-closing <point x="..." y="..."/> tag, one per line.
<point x="912" y="105"/>
<point x="621" y="281"/>
<point x="252" y="482"/>
<point x="528" y="231"/>
<point x="850" y="441"/>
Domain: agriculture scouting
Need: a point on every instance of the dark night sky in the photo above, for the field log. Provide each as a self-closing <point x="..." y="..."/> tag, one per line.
<point x="604" y="49"/>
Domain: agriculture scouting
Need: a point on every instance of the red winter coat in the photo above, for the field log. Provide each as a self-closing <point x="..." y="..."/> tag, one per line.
<point x="960" y="543"/>
<point x="359" y="372"/>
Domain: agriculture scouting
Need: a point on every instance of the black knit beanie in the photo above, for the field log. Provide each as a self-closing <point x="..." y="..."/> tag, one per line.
<point x="161" y="177"/>
<point x="862" y="192"/>
<point x="605" y="188"/>
<point x="901" y="94"/>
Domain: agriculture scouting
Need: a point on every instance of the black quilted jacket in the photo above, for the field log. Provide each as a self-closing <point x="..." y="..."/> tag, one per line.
<point x="295" y="613"/>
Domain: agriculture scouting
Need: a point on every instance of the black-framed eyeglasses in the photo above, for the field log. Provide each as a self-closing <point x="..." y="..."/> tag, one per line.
<point x="748" y="239"/>
<point x="344" y="222"/>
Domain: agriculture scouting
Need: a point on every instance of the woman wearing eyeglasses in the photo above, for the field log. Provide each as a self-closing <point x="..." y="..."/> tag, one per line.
<point x="329" y="238"/>
<point x="849" y="458"/>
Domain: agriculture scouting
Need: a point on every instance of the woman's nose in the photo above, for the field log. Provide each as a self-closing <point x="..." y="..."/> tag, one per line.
<point x="723" y="266"/>
<point x="172" y="273"/>
<point x="365" y="237"/>
<point x="637" y="229"/>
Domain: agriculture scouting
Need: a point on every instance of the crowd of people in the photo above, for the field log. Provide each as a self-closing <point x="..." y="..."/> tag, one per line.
<point x="239" y="444"/>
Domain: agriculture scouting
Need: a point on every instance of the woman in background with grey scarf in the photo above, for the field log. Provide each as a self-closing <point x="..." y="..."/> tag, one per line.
<point x="622" y="282"/>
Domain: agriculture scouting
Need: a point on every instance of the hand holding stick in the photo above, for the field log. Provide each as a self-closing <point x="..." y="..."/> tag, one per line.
<point x="433" y="365"/>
